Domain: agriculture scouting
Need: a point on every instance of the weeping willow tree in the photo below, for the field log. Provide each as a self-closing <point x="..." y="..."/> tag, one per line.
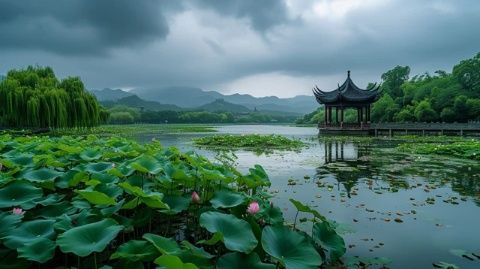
<point x="35" y="98"/>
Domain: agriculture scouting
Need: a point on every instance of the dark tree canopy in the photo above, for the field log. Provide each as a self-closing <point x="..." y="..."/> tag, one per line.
<point x="35" y="98"/>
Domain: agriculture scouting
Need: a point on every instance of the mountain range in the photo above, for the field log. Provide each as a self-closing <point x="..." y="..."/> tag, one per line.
<point x="190" y="97"/>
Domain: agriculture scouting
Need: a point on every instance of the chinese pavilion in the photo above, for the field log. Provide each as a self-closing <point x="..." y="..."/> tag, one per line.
<point x="348" y="95"/>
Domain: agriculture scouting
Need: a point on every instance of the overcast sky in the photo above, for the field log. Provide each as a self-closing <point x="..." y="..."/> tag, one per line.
<point x="260" y="47"/>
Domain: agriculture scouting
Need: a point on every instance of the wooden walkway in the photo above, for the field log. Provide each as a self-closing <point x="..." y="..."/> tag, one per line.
<point x="391" y="129"/>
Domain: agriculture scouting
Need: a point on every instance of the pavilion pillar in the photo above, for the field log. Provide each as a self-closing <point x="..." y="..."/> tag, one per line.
<point x="358" y="116"/>
<point x="330" y="115"/>
<point x="325" y="116"/>
<point x="341" y="116"/>
<point x="336" y="115"/>
<point x="364" y="116"/>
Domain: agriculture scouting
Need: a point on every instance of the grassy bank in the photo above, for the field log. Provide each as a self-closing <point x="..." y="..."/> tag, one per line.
<point x="251" y="141"/>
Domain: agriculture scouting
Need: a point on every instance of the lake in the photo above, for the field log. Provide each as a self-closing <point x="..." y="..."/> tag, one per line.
<point x="413" y="210"/>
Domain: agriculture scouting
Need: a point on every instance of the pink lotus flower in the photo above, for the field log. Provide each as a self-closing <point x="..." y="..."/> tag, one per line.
<point x="18" y="211"/>
<point x="195" y="197"/>
<point x="253" y="208"/>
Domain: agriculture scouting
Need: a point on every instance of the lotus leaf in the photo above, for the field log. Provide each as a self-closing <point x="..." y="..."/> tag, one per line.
<point x="90" y="155"/>
<point x="8" y="222"/>
<point x="88" y="238"/>
<point x="236" y="233"/>
<point x="227" y="199"/>
<point x="96" y="197"/>
<point x="166" y="246"/>
<point x="176" y="204"/>
<point x="39" y="249"/>
<point x="28" y="231"/>
<point x="136" y="250"/>
<point x="147" y="164"/>
<point x="242" y="261"/>
<point x="326" y="236"/>
<point x="290" y="248"/>
<point x="173" y="262"/>
<point x="18" y="193"/>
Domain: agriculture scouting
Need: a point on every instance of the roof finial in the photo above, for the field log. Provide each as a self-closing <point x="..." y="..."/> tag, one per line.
<point x="348" y="73"/>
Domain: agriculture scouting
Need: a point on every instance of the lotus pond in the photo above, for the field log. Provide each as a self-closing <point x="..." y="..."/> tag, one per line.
<point x="112" y="202"/>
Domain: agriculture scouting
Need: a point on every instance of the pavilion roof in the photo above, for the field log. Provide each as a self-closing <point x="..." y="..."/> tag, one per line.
<point x="347" y="93"/>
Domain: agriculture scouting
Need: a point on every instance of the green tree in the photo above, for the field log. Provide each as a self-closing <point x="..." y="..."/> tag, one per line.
<point x="384" y="109"/>
<point x="447" y="114"/>
<point x="467" y="73"/>
<point x="424" y="112"/>
<point x="393" y="80"/>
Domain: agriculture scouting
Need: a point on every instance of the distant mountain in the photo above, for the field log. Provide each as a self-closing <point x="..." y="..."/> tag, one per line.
<point x="108" y="94"/>
<point x="189" y="97"/>
<point x="221" y="105"/>
<point x="137" y="102"/>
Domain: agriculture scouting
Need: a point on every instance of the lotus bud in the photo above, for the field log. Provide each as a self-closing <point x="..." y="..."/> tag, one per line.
<point x="195" y="197"/>
<point x="253" y="208"/>
<point x="18" y="211"/>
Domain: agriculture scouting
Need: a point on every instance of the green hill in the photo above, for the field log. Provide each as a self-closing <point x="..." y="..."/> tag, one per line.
<point x="136" y="102"/>
<point x="221" y="105"/>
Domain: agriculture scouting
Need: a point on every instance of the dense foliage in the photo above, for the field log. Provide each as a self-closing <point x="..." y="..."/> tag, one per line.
<point x="446" y="97"/>
<point x="89" y="202"/>
<point x="250" y="141"/>
<point x="127" y="115"/>
<point x="34" y="97"/>
<point x="442" y="97"/>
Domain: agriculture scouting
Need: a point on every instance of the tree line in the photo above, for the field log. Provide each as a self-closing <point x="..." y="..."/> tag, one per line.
<point x="438" y="97"/>
<point x="35" y="98"/>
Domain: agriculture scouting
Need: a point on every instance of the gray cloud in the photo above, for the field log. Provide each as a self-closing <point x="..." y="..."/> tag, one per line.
<point x="214" y="43"/>
<point x="82" y="26"/>
<point x="262" y="15"/>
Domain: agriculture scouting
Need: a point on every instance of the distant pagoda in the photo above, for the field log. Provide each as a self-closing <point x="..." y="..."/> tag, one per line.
<point x="348" y="95"/>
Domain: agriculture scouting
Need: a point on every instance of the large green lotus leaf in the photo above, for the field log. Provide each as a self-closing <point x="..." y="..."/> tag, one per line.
<point x="166" y="246"/>
<point x="147" y="164"/>
<point x="90" y="155"/>
<point x="40" y="175"/>
<point x="242" y="261"/>
<point x="272" y="215"/>
<point x="111" y="189"/>
<point x="39" y="250"/>
<point x="18" y="193"/>
<point x="236" y="233"/>
<point x="211" y="174"/>
<point x="8" y="222"/>
<point x="136" y="250"/>
<point x="23" y="159"/>
<point x="173" y="262"/>
<point x="326" y="236"/>
<point x="51" y="199"/>
<point x="176" y="172"/>
<point x="304" y="208"/>
<point x="96" y="197"/>
<point x="85" y="239"/>
<point x="98" y="167"/>
<point x="196" y="251"/>
<point x="153" y="199"/>
<point x="290" y="248"/>
<point x="29" y="231"/>
<point x="227" y="199"/>
<point x="176" y="204"/>
<point x="56" y="210"/>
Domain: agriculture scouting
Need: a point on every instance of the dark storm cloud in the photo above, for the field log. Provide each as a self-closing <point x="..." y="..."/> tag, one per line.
<point x="81" y="26"/>
<point x="262" y="15"/>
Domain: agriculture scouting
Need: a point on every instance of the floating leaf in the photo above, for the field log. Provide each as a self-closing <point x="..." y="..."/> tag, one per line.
<point x="85" y="239"/>
<point x="227" y="199"/>
<point x="235" y="233"/>
<point x="290" y="248"/>
<point x="242" y="261"/>
<point x="444" y="265"/>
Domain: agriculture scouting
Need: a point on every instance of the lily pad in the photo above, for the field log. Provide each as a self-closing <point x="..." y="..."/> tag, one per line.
<point x="85" y="239"/>
<point x="166" y="246"/>
<point x="176" y="204"/>
<point x="173" y="262"/>
<point x="234" y="232"/>
<point x="290" y="248"/>
<point x="147" y="164"/>
<point x="96" y="197"/>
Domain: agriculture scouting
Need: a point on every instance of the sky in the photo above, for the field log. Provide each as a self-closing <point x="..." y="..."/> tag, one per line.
<point x="259" y="47"/>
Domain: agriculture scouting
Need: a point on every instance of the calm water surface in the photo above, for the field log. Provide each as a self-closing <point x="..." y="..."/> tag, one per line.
<point x="411" y="209"/>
